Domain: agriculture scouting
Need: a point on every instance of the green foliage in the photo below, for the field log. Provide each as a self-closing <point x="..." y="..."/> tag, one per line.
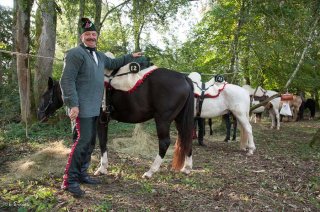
<point x="38" y="132"/>
<point x="28" y="195"/>
<point x="6" y="38"/>
<point x="9" y="104"/>
<point x="104" y="206"/>
<point x="271" y="39"/>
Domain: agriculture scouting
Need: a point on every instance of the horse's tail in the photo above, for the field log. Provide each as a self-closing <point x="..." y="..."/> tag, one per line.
<point x="184" y="124"/>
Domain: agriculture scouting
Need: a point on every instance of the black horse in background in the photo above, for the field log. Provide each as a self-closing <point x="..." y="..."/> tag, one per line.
<point x="164" y="96"/>
<point x="308" y="104"/>
<point x="200" y="123"/>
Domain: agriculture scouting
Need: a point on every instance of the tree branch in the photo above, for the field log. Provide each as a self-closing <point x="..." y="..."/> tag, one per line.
<point x="312" y="32"/>
<point x="111" y="10"/>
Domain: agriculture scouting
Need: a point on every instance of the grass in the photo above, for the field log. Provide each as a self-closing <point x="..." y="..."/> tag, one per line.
<point x="282" y="175"/>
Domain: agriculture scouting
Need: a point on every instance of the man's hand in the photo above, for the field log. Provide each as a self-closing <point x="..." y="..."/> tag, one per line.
<point x="73" y="113"/>
<point x="137" y="54"/>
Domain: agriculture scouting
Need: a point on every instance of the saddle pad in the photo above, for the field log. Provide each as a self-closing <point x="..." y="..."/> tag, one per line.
<point x="210" y="91"/>
<point x="128" y="82"/>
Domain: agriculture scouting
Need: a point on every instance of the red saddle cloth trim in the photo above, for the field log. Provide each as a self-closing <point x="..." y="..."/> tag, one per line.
<point x="212" y="96"/>
<point x="140" y="81"/>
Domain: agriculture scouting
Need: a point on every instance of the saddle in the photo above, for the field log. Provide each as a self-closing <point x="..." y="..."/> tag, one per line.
<point x="210" y="89"/>
<point x="128" y="78"/>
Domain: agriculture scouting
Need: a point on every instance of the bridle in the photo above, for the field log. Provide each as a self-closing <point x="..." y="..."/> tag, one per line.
<point x="50" y="100"/>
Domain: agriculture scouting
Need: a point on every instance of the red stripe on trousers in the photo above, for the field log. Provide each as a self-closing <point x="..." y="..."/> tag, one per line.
<point x="65" y="183"/>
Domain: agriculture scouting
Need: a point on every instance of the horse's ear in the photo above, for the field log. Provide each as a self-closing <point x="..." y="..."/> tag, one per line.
<point x="50" y="83"/>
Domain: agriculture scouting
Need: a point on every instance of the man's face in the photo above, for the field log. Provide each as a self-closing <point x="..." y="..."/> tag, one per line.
<point x="89" y="38"/>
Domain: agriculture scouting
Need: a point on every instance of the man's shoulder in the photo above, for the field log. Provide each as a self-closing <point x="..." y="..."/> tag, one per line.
<point x="75" y="50"/>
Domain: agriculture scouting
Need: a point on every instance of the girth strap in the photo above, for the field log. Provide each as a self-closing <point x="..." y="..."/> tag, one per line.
<point x="200" y="100"/>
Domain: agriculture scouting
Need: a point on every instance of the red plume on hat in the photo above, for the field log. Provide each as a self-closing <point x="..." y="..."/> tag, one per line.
<point x="86" y="25"/>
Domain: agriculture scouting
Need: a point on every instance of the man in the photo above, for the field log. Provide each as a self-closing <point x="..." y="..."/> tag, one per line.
<point x="82" y="88"/>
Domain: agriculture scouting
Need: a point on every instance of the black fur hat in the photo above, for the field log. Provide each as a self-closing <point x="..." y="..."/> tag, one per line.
<point x="86" y="25"/>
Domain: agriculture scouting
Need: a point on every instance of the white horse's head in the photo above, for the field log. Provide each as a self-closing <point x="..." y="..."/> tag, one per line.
<point x="259" y="91"/>
<point x="110" y="55"/>
<point x="195" y="76"/>
<point x="249" y="89"/>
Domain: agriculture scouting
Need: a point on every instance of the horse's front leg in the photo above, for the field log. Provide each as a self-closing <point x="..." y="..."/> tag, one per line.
<point x="164" y="143"/>
<point x="102" y="129"/>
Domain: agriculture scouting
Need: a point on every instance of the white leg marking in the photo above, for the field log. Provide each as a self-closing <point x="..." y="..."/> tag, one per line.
<point x="154" y="167"/>
<point x="278" y="120"/>
<point x="187" y="165"/>
<point x="103" y="165"/>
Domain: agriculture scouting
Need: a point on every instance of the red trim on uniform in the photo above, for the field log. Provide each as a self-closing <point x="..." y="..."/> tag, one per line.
<point x="106" y="83"/>
<point x="65" y="183"/>
<point x="140" y="81"/>
<point x="210" y="96"/>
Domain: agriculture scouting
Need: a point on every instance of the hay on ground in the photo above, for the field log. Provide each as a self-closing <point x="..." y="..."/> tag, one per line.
<point x="140" y="144"/>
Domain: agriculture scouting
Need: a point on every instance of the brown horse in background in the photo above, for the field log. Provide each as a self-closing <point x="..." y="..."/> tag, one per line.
<point x="294" y="104"/>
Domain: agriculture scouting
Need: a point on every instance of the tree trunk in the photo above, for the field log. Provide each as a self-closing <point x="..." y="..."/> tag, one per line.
<point x="136" y="25"/>
<point x="13" y="65"/>
<point x="97" y="18"/>
<point x="22" y="46"/>
<point x="234" y="62"/>
<point x="46" y="51"/>
<point x="82" y="5"/>
<point x="313" y="32"/>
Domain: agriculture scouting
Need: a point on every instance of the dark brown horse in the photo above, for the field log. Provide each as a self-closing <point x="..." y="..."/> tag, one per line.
<point x="164" y="96"/>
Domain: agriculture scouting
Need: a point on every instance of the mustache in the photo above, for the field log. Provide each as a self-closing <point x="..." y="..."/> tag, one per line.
<point x="91" y="39"/>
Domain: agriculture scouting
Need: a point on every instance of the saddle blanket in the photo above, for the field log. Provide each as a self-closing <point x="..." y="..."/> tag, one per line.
<point x="210" y="91"/>
<point x="128" y="81"/>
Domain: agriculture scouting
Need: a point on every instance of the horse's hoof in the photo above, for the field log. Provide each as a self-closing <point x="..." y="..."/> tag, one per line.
<point x="147" y="175"/>
<point x="250" y="152"/>
<point x="100" y="172"/>
<point x="243" y="149"/>
<point x="186" y="170"/>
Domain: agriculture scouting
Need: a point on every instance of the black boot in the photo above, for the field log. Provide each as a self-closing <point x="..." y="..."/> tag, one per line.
<point x="73" y="186"/>
<point x="201" y="143"/>
<point x="88" y="180"/>
<point x="75" y="190"/>
<point x="85" y="178"/>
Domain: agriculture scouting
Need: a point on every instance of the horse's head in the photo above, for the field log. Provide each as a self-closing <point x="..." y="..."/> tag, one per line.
<point x="195" y="77"/>
<point x="50" y="101"/>
<point x="257" y="92"/>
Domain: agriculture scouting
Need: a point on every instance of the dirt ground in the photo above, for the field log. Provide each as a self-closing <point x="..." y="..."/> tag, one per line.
<point x="282" y="175"/>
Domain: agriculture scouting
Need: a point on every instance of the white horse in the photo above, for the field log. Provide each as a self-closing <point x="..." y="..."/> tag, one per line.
<point x="220" y="98"/>
<point x="272" y="106"/>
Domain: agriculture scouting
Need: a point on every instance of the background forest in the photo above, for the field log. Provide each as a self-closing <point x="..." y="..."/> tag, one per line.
<point x="253" y="42"/>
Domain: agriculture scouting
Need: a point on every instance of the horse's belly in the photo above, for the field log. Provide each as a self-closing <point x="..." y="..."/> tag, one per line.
<point x="213" y="107"/>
